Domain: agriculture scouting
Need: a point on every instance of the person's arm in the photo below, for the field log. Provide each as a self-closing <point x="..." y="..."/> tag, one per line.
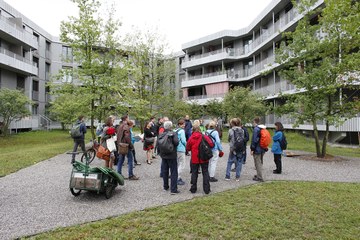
<point x="217" y="140"/>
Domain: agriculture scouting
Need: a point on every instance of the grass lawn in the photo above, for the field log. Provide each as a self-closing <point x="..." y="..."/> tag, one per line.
<point x="274" y="210"/>
<point x="24" y="149"/>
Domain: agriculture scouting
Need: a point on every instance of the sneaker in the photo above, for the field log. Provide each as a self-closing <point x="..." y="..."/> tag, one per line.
<point x="276" y="172"/>
<point x="237" y="179"/>
<point x="227" y="179"/>
<point x="165" y="189"/>
<point x="212" y="179"/>
<point x="137" y="163"/>
<point x="174" y="193"/>
<point x="133" y="177"/>
<point x="180" y="182"/>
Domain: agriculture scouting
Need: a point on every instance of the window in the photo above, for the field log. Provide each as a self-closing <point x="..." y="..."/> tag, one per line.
<point x="36" y="36"/>
<point x="36" y="61"/>
<point x="34" y="109"/>
<point x="35" y="85"/>
<point x="67" y="54"/>
<point x="47" y="71"/>
<point x="67" y="75"/>
<point x="20" y="83"/>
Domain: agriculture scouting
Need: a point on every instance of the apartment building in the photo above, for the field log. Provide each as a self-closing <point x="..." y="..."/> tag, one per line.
<point x="218" y="62"/>
<point x="29" y="56"/>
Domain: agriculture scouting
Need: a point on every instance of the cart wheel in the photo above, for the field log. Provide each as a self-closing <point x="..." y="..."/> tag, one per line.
<point x="75" y="192"/>
<point x="91" y="154"/>
<point x="110" y="187"/>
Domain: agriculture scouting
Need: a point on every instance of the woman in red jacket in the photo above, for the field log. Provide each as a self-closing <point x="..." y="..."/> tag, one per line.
<point x="192" y="146"/>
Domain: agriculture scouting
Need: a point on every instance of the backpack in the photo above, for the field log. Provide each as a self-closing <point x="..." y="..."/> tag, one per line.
<point x="99" y="130"/>
<point x="210" y="136"/>
<point x="75" y="131"/>
<point x="165" y="143"/>
<point x="239" y="143"/>
<point x="283" y="142"/>
<point x="205" y="152"/>
<point x="246" y="134"/>
<point x="265" y="138"/>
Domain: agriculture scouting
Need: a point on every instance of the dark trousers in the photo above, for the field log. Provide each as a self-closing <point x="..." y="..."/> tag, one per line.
<point x="277" y="160"/>
<point x="133" y="152"/>
<point x="194" y="176"/>
<point x="78" y="142"/>
<point x="171" y="164"/>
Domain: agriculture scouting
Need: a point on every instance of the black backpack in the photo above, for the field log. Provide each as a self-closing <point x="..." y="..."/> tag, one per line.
<point x="239" y="143"/>
<point x="165" y="143"/>
<point x="205" y="152"/>
<point x="210" y="136"/>
<point x="283" y="142"/>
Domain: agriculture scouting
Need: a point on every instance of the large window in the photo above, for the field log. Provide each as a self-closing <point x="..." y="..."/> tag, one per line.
<point x="67" y="75"/>
<point x="67" y="54"/>
<point x="47" y="71"/>
<point x="20" y="83"/>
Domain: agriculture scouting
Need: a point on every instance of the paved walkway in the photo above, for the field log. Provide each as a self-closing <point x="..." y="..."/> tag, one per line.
<point x="37" y="199"/>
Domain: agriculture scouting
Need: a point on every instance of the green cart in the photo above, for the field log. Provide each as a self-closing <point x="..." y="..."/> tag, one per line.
<point x="98" y="179"/>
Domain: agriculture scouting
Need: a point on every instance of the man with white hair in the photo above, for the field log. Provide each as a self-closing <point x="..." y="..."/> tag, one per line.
<point x="167" y="143"/>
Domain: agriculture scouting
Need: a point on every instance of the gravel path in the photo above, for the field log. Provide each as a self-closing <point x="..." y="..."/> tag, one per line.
<point x="37" y="198"/>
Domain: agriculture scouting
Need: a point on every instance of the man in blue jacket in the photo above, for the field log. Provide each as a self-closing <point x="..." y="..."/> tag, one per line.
<point x="256" y="150"/>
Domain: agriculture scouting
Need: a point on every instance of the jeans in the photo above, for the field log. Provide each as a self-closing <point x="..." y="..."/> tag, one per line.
<point x="130" y="163"/>
<point x="238" y="160"/>
<point x="171" y="164"/>
<point x="212" y="163"/>
<point x="181" y="158"/>
<point x="78" y="142"/>
<point x="194" y="176"/>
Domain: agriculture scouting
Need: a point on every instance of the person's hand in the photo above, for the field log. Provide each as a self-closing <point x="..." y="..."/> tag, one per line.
<point x="252" y="153"/>
<point x="221" y="153"/>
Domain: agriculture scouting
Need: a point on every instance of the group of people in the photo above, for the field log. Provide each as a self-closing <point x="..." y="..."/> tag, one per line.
<point x="185" y="139"/>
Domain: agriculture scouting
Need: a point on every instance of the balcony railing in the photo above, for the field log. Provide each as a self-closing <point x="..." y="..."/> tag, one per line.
<point x="205" y="96"/>
<point x="283" y="21"/>
<point x="16" y="56"/>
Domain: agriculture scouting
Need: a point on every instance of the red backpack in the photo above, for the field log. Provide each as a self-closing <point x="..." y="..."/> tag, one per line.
<point x="265" y="138"/>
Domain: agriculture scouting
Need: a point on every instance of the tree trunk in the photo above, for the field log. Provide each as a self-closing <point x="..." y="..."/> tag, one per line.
<point x="325" y="140"/>
<point x="326" y="136"/>
<point x="316" y="136"/>
<point x="92" y="119"/>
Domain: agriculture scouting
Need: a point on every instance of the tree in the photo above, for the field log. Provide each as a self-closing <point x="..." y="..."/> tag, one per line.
<point x="100" y="77"/>
<point x="151" y="74"/>
<point x="214" y="108"/>
<point x="13" y="106"/>
<point x="243" y="103"/>
<point x="321" y="58"/>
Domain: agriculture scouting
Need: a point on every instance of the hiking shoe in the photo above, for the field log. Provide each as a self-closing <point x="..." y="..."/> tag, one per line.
<point x="212" y="179"/>
<point x="133" y="177"/>
<point x="180" y="182"/>
<point x="237" y="179"/>
<point x="258" y="179"/>
<point x="176" y="192"/>
<point x="227" y="179"/>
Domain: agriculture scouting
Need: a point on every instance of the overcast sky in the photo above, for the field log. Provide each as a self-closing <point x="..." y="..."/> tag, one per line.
<point x="179" y="21"/>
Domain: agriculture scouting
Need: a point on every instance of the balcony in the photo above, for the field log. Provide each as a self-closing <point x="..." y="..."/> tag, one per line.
<point x="230" y="53"/>
<point x="15" y="31"/>
<point x="202" y="99"/>
<point x="13" y="61"/>
<point x="204" y="79"/>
